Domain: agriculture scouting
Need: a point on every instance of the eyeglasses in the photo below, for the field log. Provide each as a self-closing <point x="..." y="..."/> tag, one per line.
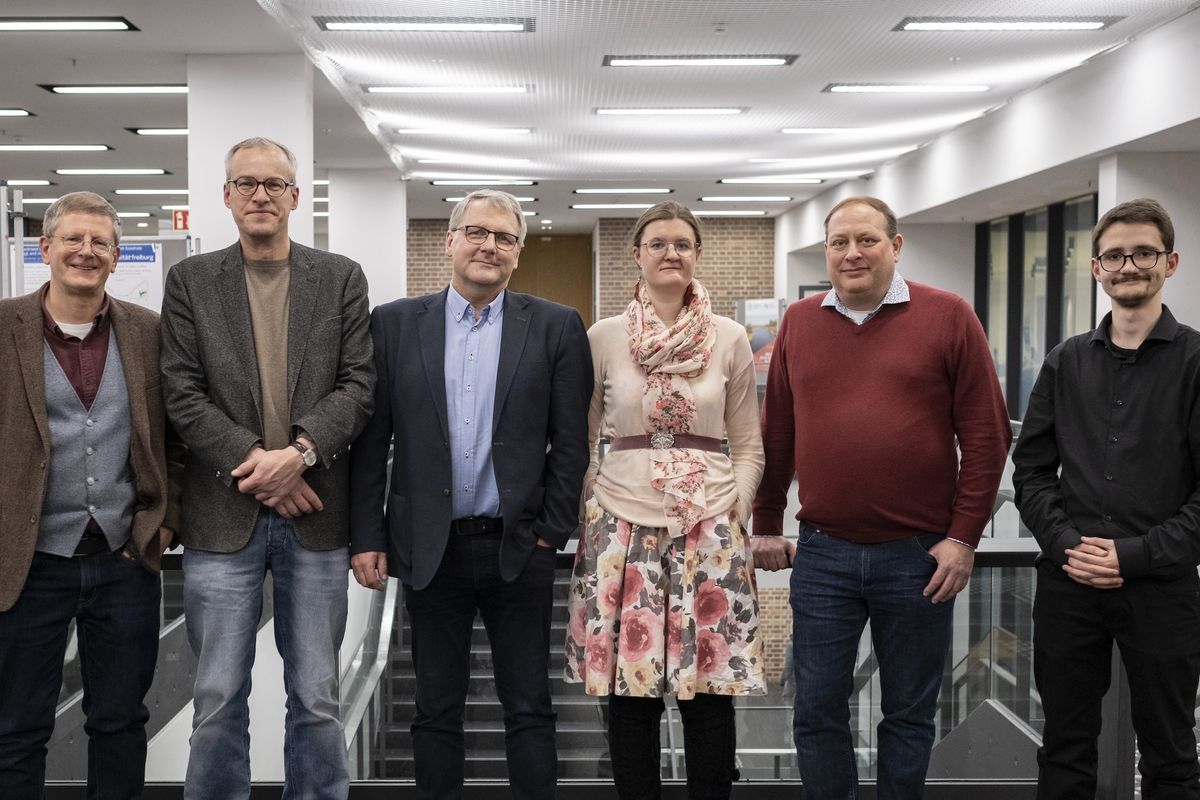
<point x="247" y="186"/>
<point x="477" y="235"/>
<point x="1142" y="258"/>
<point x="73" y="244"/>
<point x="658" y="247"/>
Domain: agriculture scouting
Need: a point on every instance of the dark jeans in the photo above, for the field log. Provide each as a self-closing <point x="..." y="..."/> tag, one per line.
<point x="709" y="742"/>
<point x="836" y="586"/>
<point x="115" y="603"/>
<point x="1156" y="625"/>
<point x="517" y="618"/>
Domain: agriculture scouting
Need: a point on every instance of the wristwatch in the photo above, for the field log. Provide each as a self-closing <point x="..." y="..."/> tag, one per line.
<point x="307" y="453"/>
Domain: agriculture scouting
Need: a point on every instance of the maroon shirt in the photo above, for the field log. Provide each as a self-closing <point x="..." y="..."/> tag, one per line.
<point x="81" y="360"/>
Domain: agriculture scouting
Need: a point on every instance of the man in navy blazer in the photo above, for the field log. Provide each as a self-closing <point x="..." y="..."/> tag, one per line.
<point x="485" y="393"/>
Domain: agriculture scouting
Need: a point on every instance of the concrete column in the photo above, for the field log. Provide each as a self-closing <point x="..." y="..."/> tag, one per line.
<point x="368" y="222"/>
<point x="1172" y="179"/>
<point x="231" y="98"/>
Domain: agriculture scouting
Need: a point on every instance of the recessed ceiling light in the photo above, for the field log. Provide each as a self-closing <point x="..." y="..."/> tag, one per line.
<point x="428" y="24"/>
<point x="529" y="213"/>
<point x="143" y="224"/>
<point x="30" y="182"/>
<point x="482" y="182"/>
<point x="38" y="201"/>
<point x="668" y="112"/>
<point x="518" y="199"/>
<point x="703" y="213"/>
<point x="456" y="89"/>
<point x="464" y="131"/>
<point x="320" y="213"/>
<point x="482" y="160"/>
<point x="1005" y="23"/>
<point x="29" y="24"/>
<point x="547" y="222"/>
<point x="321" y="182"/>
<point x="643" y="190"/>
<point x="699" y="61"/>
<point x="117" y="171"/>
<point x="134" y="214"/>
<point x="159" y="131"/>
<point x="762" y="198"/>
<point x="595" y="206"/>
<point x="147" y="88"/>
<point x="14" y="112"/>
<point x="320" y="199"/>
<point x="905" y="88"/>
<point x="183" y="207"/>
<point x="789" y="179"/>
<point x="150" y="191"/>
<point x="819" y="131"/>
<point x="52" y="148"/>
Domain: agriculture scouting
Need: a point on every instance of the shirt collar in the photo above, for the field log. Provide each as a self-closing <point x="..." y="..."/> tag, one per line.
<point x="1163" y="330"/>
<point x="51" y="326"/>
<point x="897" y="293"/>
<point x="459" y="305"/>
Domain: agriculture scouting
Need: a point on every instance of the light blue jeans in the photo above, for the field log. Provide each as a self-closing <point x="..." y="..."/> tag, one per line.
<point x="223" y="601"/>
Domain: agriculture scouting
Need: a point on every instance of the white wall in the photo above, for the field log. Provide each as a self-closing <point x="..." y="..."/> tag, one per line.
<point x="368" y="222"/>
<point x="941" y="255"/>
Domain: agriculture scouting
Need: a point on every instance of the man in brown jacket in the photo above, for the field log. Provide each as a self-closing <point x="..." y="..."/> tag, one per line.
<point x="86" y="508"/>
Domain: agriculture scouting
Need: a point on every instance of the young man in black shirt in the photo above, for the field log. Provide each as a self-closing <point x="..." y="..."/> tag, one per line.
<point x="1118" y="409"/>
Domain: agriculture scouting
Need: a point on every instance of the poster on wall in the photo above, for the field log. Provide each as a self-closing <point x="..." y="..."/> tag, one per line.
<point x="761" y="317"/>
<point x="138" y="279"/>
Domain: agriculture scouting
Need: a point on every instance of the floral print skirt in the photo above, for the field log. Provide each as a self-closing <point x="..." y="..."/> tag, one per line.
<point x="650" y="617"/>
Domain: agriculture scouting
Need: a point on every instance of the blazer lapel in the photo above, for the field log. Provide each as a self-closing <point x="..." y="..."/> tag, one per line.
<point x="431" y="329"/>
<point x="31" y="352"/>
<point x="129" y="344"/>
<point x="303" y="286"/>
<point x="513" y="332"/>
<point x="230" y="281"/>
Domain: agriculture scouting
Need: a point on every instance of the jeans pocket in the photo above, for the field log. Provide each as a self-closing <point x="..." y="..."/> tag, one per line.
<point x="807" y="535"/>
<point x="926" y="541"/>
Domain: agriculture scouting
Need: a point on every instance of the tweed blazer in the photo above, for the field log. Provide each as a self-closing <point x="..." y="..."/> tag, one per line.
<point x="211" y="381"/>
<point x="539" y="434"/>
<point x="25" y="431"/>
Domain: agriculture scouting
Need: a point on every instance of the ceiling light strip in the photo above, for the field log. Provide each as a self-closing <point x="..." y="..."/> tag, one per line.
<point x="428" y="24"/>
<point x="53" y="148"/>
<point x="668" y="112"/>
<point x="59" y="24"/>
<point x="641" y="190"/>
<point x="127" y="88"/>
<point x="700" y="60"/>
<point x="905" y="88"/>
<point x="1045" y="24"/>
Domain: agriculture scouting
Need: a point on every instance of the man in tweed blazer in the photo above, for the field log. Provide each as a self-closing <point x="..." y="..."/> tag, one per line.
<point x="268" y="374"/>
<point x="86" y="507"/>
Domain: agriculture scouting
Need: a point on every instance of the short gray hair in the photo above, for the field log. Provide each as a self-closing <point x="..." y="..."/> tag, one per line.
<point x="497" y="199"/>
<point x="261" y="143"/>
<point x="80" y="203"/>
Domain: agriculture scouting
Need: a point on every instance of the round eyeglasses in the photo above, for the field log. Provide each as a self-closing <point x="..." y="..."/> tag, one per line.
<point x="1142" y="258"/>
<point x="247" y="186"/>
<point x="658" y="247"/>
<point x="73" y="244"/>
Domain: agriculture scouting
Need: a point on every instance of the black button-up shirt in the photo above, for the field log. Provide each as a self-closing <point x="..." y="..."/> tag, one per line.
<point x="1124" y="425"/>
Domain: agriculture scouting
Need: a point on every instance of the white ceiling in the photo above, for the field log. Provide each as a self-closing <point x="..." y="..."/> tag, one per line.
<point x="561" y="63"/>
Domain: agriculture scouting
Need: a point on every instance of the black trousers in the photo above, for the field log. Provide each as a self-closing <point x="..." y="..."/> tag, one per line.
<point x="1156" y="625"/>
<point x="709" y="741"/>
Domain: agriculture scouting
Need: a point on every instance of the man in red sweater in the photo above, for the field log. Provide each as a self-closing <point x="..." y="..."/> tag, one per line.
<point x="869" y="390"/>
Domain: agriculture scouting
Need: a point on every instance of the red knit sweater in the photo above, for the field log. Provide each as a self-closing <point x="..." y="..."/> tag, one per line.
<point x="866" y="417"/>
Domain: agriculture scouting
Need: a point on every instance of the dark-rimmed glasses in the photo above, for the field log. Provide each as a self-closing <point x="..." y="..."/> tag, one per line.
<point x="247" y="186"/>
<point x="476" y="234"/>
<point x="1142" y="258"/>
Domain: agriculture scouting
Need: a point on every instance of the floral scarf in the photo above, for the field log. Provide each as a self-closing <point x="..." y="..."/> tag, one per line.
<point x="670" y="355"/>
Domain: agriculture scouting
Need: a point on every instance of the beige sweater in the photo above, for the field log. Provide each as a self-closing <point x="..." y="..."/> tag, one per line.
<point x="726" y="406"/>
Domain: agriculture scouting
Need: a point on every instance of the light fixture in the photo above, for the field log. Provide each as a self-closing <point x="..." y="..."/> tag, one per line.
<point x="598" y="206"/>
<point x="482" y="160"/>
<point x="482" y="182"/>
<point x="452" y="89"/>
<point x="150" y="191"/>
<point x="14" y="112"/>
<point x="636" y="190"/>
<point x="699" y="61"/>
<point x="182" y="207"/>
<point x="428" y="24"/>
<point x="143" y="224"/>
<point x="818" y="131"/>
<point x="320" y="199"/>
<point x="547" y="222"/>
<point x="159" y="131"/>
<point x="52" y="148"/>
<point x="905" y="88"/>
<point x="529" y="213"/>
<point x="668" y="112"/>
<point x="518" y="199"/>
<point x="38" y="201"/>
<point x="465" y="131"/>
<point x="30" y="182"/>
<point x="882" y="154"/>
<point x="762" y="198"/>
<point x="127" y="88"/>
<point x="113" y="171"/>
<point x="1005" y="23"/>
<point x="133" y="214"/>
<point x="703" y="213"/>
<point x="320" y="213"/>
<point x="321" y="182"/>
<point x="787" y="179"/>
<point x="33" y="24"/>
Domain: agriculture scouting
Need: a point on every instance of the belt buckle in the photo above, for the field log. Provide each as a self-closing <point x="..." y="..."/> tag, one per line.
<point x="662" y="440"/>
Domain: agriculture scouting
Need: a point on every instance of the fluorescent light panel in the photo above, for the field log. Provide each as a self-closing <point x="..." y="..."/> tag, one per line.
<point x="518" y="199"/>
<point x="159" y="131"/>
<point x="14" y="112"/>
<point x="818" y="131"/>
<point x="530" y="213"/>
<point x="761" y="198"/>
<point x="320" y="213"/>
<point x="464" y="131"/>
<point x="447" y="89"/>
<point x="700" y="60"/>
<point x="668" y="112"/>
<point x="321" y="182"/>
<point x="320" y="199"/>
<point x="905" y="88"/>
<point x="428" y="24"/>
<point x="1005" y="23"/>
<point x="482" y="182"/>
<point x="135" y="214"/>
<point x="599" y="206"/>
<point x="785" y="179"/>
<point x="52" y="148"/>
<point x="38" y="201"/>
<point x="30" y="182"/>
<point x="33" y="24"/>
<point x="116" y="171"/>
<point x="150" y="191"/>
<point x="480" y="160"/>
<point x="183" y="207"/>
<point x="127" y="88"/>
<point x="703" y="213"/>
<point x="642" y="190"/>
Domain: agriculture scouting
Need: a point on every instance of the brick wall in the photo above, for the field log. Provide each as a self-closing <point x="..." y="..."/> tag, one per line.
<point x="428" y="266"/>
<point x="775" y="628"/>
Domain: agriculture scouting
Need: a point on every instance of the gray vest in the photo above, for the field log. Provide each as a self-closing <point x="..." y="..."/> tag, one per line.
<point x="89" y="472"/>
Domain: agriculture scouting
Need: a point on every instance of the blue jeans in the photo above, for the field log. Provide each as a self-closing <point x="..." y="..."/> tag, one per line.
<point x="837" y="586"/>
<point x="223" y="601"/>
<point x="115" y="603"/>
<point x="517" y="618"/>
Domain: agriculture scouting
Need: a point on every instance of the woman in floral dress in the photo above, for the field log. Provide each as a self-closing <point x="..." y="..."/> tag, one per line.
<point x="662" y="595"/>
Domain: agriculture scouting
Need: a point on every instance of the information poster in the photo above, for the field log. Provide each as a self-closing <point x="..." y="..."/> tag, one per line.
<point x="138" y="279"/>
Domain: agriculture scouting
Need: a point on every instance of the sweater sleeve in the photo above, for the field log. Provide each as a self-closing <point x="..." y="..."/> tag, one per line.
<point x="742" y="428"/>
<point x="778" y="436"/>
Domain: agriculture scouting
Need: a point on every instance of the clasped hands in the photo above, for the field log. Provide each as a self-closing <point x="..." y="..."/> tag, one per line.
<point x="1093" y="562"/>
<point x="275" y="479"/>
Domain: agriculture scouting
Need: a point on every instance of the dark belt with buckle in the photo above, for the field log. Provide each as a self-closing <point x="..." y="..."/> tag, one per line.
<point x="91" y="544"/>
<point x="665" y="441"/>
<point x="476" y="526"/>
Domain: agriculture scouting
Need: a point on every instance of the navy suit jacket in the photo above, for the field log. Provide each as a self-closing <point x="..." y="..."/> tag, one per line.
<point x="539" y="434"/>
